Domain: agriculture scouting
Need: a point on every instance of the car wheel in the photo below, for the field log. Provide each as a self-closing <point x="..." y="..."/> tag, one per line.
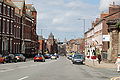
<point x="24" y="60"/>
<point x="43" y="60"/>
<point x="3" y="62"/>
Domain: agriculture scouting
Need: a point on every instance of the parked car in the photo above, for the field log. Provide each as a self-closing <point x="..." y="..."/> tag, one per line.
<point x="20" y="57"/>
<point x="10" y="58"/>
<point x="78" y="58"/>
<point x="2" y="60"/>
<point x="53" y="56"/>
<point x="39" y="57"/>
<point x="69" y="57"/>
<point x="47" y="56"/>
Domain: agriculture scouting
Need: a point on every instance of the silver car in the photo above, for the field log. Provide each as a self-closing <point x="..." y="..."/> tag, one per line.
<point x="79" y="58"/>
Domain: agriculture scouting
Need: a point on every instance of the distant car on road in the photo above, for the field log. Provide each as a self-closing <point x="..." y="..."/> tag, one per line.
<point x="39" y="57"/>
<point x="69" y="57"/>
<point x="53" y="56"/>
<point x="20" y="57"/>
<point x="10" y="58"/>
<point x="2" y="60"/>
<point x="47" y="56"/>
<point x="78" y="58"/>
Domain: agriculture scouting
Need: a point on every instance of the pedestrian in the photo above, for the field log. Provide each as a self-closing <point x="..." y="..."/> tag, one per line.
<point x="99" y="58"/>
<point x="118" y="63"/>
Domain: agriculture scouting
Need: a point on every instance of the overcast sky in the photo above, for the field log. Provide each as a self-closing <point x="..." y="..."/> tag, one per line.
<point x="64" y="18"/>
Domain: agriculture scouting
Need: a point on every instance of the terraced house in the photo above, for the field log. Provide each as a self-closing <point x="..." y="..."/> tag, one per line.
<point x="17" y="27"/>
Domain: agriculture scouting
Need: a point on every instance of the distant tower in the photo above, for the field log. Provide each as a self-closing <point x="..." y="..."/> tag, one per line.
<point x="51" y="44"/>
<point x="65" y="40"/>
<point x="51" y="36"/>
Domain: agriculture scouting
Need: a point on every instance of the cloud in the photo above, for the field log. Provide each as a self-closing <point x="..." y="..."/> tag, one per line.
<point x="60" y="16"/>
<point x="104" y="4"/>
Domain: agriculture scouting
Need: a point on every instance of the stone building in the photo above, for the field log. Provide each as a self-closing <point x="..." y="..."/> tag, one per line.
<point x="51" y="44"/>
<point x="114" y="31"/>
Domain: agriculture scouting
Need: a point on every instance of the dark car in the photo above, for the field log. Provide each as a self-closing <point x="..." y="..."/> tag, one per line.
<point x="79" y="58"/>
<point x="47" y="56"/>
<point x="39" y="57"/>
<point x="20" y="57"/>
<point x="10" y="58"/>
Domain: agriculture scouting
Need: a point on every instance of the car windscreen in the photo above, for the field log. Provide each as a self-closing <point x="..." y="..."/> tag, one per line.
<point x="38" y="56"/>
<point x="17" y="54"/>
<point x="78" y="57"/>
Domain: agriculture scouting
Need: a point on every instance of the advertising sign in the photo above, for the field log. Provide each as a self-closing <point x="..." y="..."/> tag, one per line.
<point x="106" y="38"/>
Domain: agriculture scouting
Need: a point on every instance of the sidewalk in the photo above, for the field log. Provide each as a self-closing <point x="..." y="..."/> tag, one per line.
<point x="95" y="64"/>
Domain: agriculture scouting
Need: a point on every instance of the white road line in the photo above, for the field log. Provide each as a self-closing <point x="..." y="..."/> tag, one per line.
<point x="23" y="78"/>
<point x="6" y="70"/>
<point x="24" y="67"/>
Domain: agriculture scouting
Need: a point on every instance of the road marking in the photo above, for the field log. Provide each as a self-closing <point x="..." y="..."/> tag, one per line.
<point x="23" y="78"/>
<point x="24" y="67"/>
<point x="6" y="70"/>
<point x="115" y="78"/>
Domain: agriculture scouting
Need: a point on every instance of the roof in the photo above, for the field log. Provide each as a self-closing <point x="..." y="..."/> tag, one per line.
<point x="19" y="3"/>
<point x="51" y="36"/>
<point x="28" y="9"/>
<point x="40" y="37"/>
<point x="33" y="9"/>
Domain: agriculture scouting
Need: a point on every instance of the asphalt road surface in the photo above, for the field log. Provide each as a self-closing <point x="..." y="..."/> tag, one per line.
<point x="60" y="69"/>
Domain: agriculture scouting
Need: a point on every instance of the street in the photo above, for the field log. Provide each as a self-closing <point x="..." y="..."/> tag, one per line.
<point x="61" y="69"/>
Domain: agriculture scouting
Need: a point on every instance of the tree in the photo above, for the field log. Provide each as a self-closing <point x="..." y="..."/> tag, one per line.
<point x="118" y="25"/>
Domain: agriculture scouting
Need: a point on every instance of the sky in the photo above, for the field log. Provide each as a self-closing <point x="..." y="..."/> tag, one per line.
<point x="65" y="18"/>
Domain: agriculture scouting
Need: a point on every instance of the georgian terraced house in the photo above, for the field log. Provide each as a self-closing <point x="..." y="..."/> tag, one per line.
<point x="17" y="27"/>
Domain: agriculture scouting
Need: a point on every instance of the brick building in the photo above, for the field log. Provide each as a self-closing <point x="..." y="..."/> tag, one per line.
<point x="105" y="34"/>
<point x="42" y="44"/>
<point x="18" y="27"/>
<point x="75" y="45"/>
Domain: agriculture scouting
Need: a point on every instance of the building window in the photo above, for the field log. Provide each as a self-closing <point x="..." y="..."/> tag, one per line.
<point x="0" y="7"/>
<point x="0" y="25"/>
<point x="19" y="31"/>
<point x="11" y="29"/>
<point x="12" y="12"/>
<point x="14" y="32"/>
<point x="8" y="11"/>
<point x="4" y="23"/>
<point x="11" y="45"/>
<point x="4" y="9"/>
<point x="8" y="24"/>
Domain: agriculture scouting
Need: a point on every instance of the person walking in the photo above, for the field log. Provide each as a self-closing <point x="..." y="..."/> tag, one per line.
<point x="99" y="58"/>
<point x="118" y="63"/>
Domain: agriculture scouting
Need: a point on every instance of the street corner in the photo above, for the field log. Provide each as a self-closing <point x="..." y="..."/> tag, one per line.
<point x="115" y="78"/>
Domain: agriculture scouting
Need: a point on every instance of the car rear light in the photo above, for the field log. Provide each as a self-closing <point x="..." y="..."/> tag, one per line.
<point x="17" y="57"/>
<point x="40" y="58"/>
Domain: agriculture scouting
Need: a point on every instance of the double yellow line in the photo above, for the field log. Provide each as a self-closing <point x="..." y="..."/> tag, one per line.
<point x="115" y="78"/>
